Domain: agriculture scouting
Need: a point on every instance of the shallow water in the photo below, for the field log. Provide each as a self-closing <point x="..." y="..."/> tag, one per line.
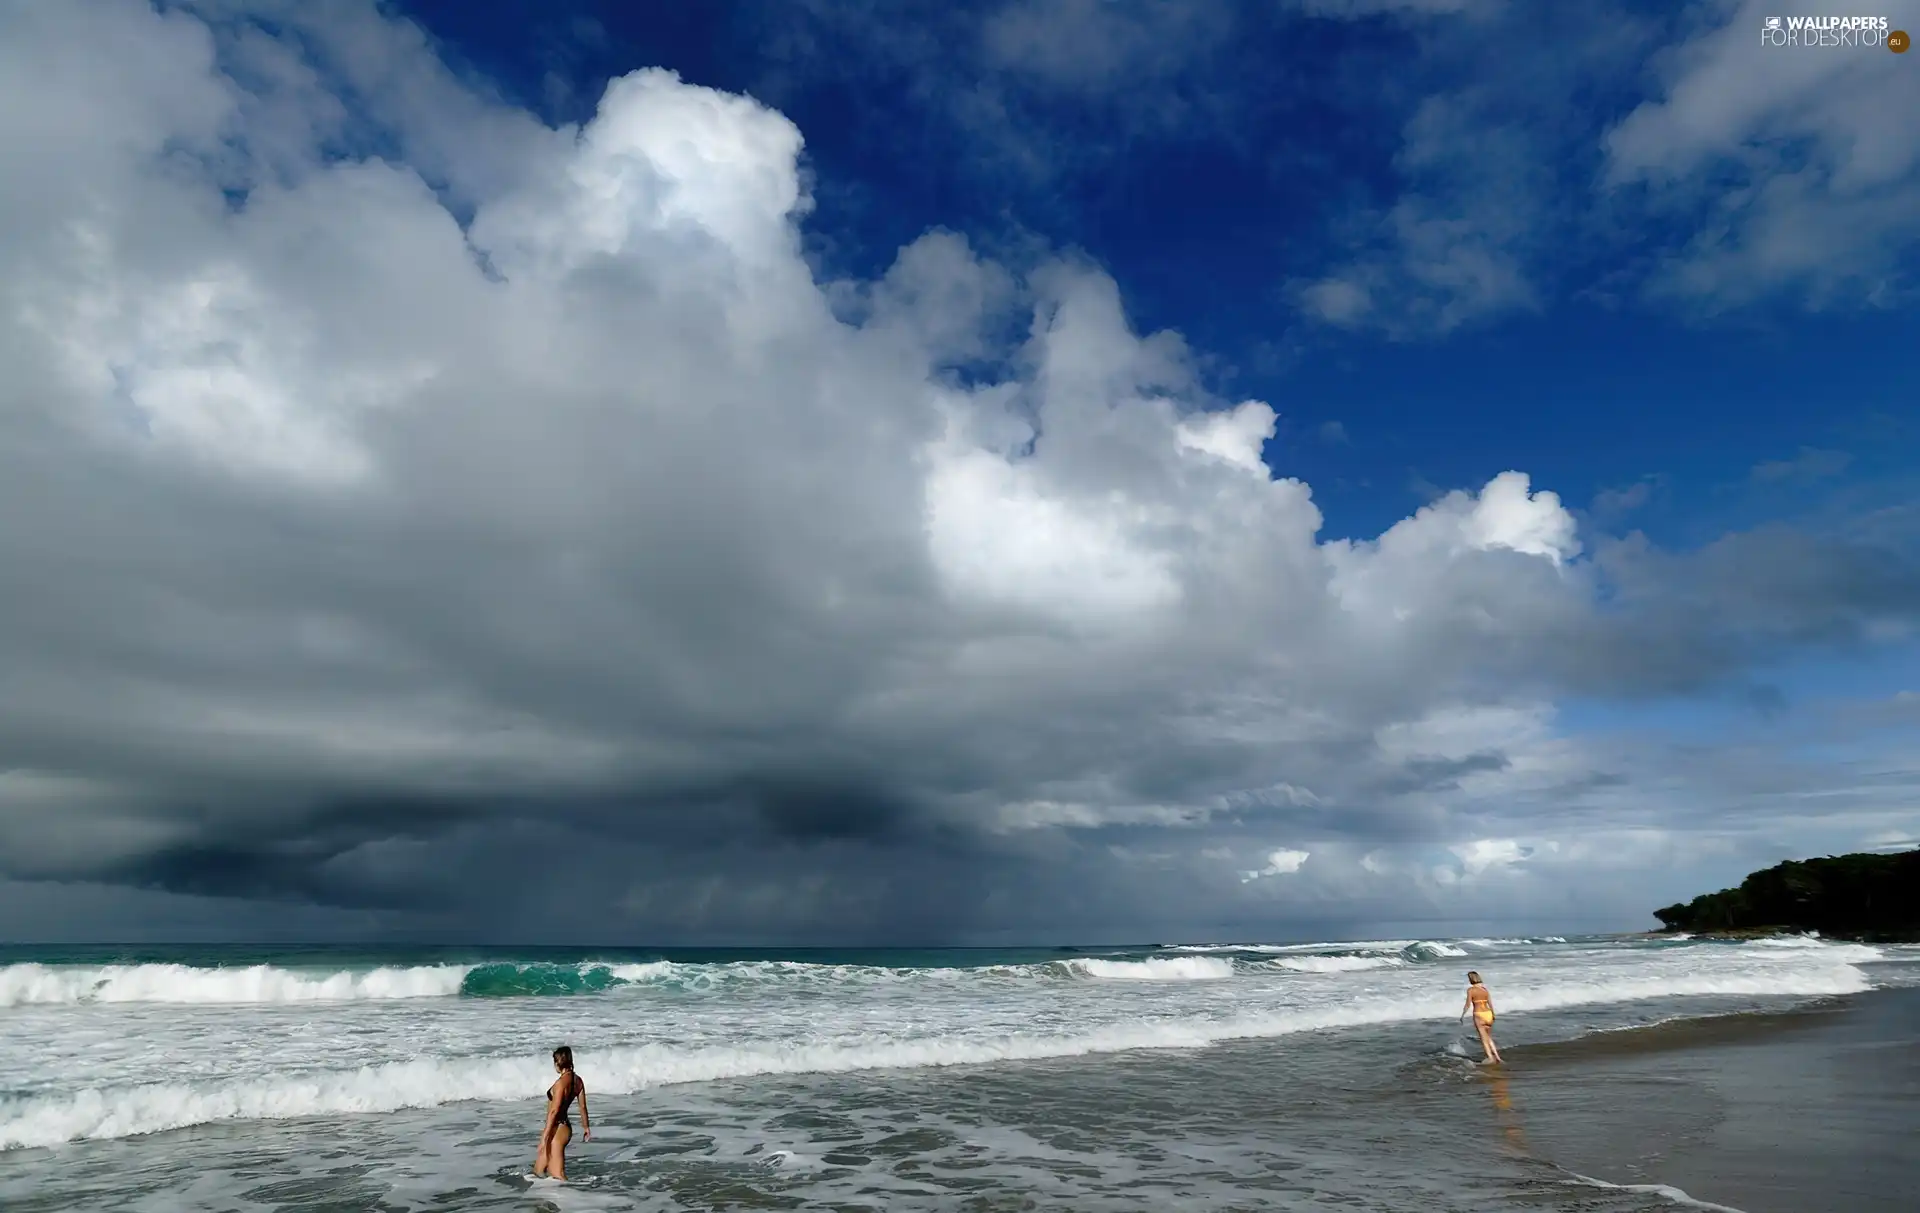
<point x="1281" y="1077"/>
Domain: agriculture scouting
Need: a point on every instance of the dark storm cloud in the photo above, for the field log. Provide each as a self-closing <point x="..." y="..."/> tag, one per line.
<point x="621" y="581"/>
<point x="816" y="808"/>
<point x="1427" y="774"/>
<point x="228" y="870"/>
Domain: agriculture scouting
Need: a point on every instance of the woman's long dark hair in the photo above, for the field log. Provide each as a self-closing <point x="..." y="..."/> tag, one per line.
<point x="564" y="1057"/>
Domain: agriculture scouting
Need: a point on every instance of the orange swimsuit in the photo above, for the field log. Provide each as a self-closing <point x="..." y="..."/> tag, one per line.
<point x="1482" y="1005"/>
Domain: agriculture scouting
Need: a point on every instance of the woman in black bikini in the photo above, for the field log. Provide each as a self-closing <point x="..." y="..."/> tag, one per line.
<point x="552" y="1159"/>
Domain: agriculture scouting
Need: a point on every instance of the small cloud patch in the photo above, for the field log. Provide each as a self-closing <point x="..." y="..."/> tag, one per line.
<point x="1809" y="465"/>
<point x="1279" y="863"/>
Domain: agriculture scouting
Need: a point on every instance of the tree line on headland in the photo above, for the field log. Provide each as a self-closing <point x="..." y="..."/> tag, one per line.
<point x="1858" y="896"/>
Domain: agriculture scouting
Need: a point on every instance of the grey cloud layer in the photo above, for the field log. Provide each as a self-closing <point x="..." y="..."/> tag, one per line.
<point x="376" y="529"/>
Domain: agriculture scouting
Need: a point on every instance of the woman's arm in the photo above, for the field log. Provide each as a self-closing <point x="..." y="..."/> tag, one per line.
<point x="553" y="1120"/>
<point x="586" y="1121"/>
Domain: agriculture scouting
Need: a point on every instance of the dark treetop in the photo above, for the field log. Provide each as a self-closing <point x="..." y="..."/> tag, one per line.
<point x="1857" y="895"/>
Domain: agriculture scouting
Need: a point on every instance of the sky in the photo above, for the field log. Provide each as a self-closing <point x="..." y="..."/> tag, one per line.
<point x="840" y="472"/>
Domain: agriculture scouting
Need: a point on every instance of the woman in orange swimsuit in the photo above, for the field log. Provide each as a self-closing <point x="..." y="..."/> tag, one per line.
<point x="1480" y="1002"/>
<point x="558" y="1131"/>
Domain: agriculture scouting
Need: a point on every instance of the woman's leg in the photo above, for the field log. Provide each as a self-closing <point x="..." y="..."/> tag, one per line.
<point x="540" y="1156"/>
<point x="557" y="1152"/>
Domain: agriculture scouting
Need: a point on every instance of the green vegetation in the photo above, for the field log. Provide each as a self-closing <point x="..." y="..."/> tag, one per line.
<point x="1859" y="896"/>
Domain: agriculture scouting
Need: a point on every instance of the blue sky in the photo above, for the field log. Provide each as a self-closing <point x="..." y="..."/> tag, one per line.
<point x="997" y="471"/>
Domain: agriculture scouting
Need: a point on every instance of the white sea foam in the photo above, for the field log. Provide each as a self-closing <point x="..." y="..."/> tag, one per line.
<point x="1177" y="968"/>
<point x="1509" y="943"/>
<point x="1845" y="953"/>
<point x="1365" y="946"/>
<point x="653" y="970"/>
<point x="29" y="984"/>
<point x="796" y="973"/>
<point x="1824" y="980"/>
<point x="1430" y="948"/>
<point x="1665" y="1191"/>
<point x="1333" y="964"/>
<point x="1333" y="947"/>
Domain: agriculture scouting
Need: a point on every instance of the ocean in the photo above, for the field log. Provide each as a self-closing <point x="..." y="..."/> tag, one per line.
<point x="1199" y="1076"/>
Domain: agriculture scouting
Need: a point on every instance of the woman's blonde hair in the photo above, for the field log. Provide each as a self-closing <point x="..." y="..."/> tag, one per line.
<point x="1473" y="977"/>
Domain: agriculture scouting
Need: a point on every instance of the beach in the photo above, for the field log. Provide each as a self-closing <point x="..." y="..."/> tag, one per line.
<point x="1810" y="1110"/>
<point x="1261" y="1076"/>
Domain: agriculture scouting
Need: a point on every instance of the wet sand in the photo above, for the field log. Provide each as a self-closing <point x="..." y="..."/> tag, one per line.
<point x="1810" y="1112"/>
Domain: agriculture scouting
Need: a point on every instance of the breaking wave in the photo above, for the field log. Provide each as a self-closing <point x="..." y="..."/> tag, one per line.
<point x="1434" y="951"/>
<point x="1406" y="950"/>
<point x="103" y="1112"/>
<point x="1176" y="968"/>
<point x="550" y="980"/>
<point x="1333" y="964"/>
<point x="1363" y="946"/>
<point x="30" y="984"/>
<point x="40" y="984"/>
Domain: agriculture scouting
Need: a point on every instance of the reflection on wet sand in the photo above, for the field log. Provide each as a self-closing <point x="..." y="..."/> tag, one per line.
<point x="1499" y="1087"/>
